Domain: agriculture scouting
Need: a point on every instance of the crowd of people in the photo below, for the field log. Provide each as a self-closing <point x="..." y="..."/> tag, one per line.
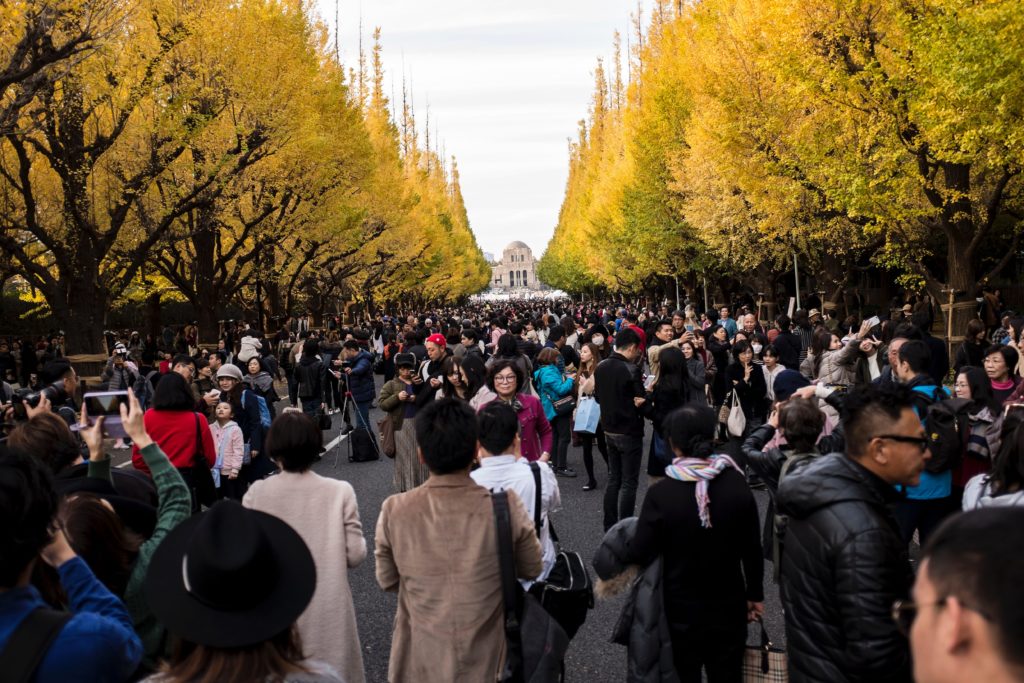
<point x="221" y="555"/>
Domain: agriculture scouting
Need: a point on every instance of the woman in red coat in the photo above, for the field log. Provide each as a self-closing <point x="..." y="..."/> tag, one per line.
<point x="506" y="379"/>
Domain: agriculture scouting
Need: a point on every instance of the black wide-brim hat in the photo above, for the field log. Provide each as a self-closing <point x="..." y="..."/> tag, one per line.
<point x="230" y="577"/>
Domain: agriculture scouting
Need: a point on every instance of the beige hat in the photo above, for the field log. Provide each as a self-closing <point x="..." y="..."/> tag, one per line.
<point x="813" y="312"/>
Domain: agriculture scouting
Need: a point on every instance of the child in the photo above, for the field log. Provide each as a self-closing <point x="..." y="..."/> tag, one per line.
<point x="230" y="453"/>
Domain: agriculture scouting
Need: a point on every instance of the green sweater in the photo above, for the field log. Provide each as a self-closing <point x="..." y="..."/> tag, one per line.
<point x="174" y="507"/>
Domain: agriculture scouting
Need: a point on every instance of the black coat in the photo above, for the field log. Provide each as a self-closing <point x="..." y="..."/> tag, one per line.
<point x="844" y="562"/>
<point x="788" y="346"/>
<point x="616" y="383"/>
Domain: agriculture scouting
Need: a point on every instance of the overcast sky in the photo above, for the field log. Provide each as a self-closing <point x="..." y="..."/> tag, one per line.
<point x="506" y="85"/>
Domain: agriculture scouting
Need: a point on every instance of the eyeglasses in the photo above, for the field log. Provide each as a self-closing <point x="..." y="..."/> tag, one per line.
<point x="921" y="442"/>
<point x="904" y="612"/>
<point x="505" y="379"/>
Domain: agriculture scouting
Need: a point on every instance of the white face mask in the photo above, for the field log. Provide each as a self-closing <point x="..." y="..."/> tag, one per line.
<point x="756" y="348"/>
<point x="598" y="340"/>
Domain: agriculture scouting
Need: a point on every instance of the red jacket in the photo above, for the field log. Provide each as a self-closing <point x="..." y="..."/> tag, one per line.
<point x="175" y="432"/>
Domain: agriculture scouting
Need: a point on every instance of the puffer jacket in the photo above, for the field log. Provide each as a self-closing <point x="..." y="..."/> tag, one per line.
<point x="360" y="380"/>
<point x="642" y="626"/>
<point x="840" y="366"/>
<point x="843" y="564"/>
<point x="551" y="386"/>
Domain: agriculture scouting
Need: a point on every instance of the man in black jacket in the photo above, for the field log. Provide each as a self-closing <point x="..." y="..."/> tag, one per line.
<point x="619" y="390"/>
<point x="787" y="344"/>
<point x="844" y="561"/>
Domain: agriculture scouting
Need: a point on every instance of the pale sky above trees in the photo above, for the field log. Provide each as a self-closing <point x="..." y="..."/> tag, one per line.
<point x="506" y="85"/>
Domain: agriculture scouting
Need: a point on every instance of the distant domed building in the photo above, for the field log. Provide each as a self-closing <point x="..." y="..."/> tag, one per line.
<point x="516" y="269"/>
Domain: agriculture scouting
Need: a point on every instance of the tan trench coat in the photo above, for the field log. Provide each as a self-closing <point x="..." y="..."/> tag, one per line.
<point x="437" y="546"/>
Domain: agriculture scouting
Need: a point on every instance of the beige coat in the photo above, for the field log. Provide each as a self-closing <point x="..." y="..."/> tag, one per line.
<point x="437" y="546"/>
<point x="324" y="512"/>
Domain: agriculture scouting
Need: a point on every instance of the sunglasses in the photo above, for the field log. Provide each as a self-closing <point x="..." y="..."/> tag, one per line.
<point x="921" y="442"/>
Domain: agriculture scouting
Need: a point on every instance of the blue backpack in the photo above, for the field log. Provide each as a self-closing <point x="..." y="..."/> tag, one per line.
<point x="264" y="409"/>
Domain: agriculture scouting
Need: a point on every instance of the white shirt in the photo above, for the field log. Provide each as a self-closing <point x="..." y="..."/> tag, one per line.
<point x="506" y="472"/>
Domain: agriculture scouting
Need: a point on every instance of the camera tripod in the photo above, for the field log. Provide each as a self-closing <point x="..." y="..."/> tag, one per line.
<point x="347" y="429"/>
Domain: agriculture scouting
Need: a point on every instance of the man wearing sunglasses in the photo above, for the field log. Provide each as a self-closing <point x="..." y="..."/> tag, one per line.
<point x="844" y="561"/>
<point x="964" y="623"/>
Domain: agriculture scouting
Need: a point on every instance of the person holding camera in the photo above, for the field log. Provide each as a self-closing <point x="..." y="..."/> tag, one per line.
<point x="357" y="365"/>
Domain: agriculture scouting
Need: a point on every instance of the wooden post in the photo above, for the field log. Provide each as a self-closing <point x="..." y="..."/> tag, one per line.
<point x="949" y="321"/>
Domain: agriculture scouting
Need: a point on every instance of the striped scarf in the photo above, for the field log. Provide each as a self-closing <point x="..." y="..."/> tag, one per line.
<point x="702" y="472"/>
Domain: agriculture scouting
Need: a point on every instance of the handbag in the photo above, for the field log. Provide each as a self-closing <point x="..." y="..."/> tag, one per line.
<point x="386" y="428"/>
<point x="323" y="421"/>
<point x="199" y="477"/>
<point x="588" y="416"/>
<point x="568" y="591"/>
<point x="737" y="421"/>
<point x="563" y="406"/>
<point x="764" y="663"/>
<point x="536" y="644"/>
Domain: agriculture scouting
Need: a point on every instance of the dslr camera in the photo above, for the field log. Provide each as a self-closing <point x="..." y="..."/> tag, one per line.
<point x="24" y="398"/>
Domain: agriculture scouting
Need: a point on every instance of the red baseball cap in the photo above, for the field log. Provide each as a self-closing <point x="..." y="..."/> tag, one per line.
<point x="437" y="339"/>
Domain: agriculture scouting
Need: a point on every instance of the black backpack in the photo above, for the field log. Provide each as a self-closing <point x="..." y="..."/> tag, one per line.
<point x="947" y="427"/>
<point x="362" y="447"/>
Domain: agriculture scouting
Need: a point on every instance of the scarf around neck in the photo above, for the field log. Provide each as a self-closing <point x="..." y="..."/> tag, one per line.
<point x="701" y="471"/>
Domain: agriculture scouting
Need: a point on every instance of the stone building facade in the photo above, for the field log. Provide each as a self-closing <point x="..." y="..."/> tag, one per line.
<point x="516" y="269"/>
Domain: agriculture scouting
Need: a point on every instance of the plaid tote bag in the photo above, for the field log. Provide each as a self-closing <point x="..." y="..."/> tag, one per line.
<point x="764" y="663"/>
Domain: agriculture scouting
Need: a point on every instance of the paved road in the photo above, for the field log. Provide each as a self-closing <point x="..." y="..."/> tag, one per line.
<point x="591" y="656"/>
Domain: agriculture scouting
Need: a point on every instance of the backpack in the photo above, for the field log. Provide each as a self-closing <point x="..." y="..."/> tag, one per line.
<point x="947" y="426"/>
<point x="143" y="388"/>
<point x="362" y="447"/>
<point x="264" y="409"/>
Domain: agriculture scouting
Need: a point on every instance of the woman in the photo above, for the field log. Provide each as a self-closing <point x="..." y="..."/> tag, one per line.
<point x="999" y="363"/>
<point x="454" y="383"/>
<point x="180" y="432"/>
<point x="325" y="513"/>
<point x="668" y="393"/>
<point x="246" y="411"/>
<point x="553" y="387"/>
<point x="398" y="398"/>
<point x="716" y="340"/>
<point x="259" y="381"/>
<point x="747" y="380"/>
<point x="972" y="349"/>
<point x="508" y="350"/>
<point x="234" y="621"/>
<point x="475" y="372"/>
<point x="984" y="420"/>
<point x="505" y="380"/>
<point x="309" y="379"/>
<point x="118" y="556"/>
<point x="820" y="343"/>
<point x="598" y="335"/>
<point x="703" y="522"/>
<point x="696" y="377"/>
<point x="589" y="358"/>
<point x="1004" y="485"/>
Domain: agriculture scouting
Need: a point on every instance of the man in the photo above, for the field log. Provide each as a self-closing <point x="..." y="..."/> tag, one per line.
<point x="502" y="468"/>
<point x="728" y="323"/>
<point x="664" y="337"/>
<point x="844" y="561"/>
<point x="678" y="323"/>
<point x="787" y="343"/>
<point x="751" y="326"/>
<point x="965" y="619"/>
<point x="938" y="368"/>
<point x="567" y="356"/>
<point x="98" y="641"/>
<point x="119" y="374"/>
<point x="619" y="389"/>
<point x="437" y="546"/>
<point x="471" y="342"/>
<point x="930" y="501"/>
<point x="357" y="365"/>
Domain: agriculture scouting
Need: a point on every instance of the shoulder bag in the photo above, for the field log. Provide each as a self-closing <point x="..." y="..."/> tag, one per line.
<point x="29" y="643"/>
<point x="737" y="421"/>
<point x="536" y="644"/>
<point x="764" y="663"/>
<point x="198" y="475"/>
<point x="568" y="591"/>
<point x="386" y="428"/>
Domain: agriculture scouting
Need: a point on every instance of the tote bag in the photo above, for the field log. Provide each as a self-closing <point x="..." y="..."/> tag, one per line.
<point x="764" y="663"/>
<point x="737" y="420"/>
<point x="588" y="416"/>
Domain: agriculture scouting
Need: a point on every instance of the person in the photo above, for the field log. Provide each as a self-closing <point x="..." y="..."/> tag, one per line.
<point x="747" y="380"/>
<point x="552" y="386"/>
<point x="939" y="352"/>
<point x="96" y="531"/>
<point x="964" y="619"/>
<point x="972" y="349"/>
<point x="668" y="393"/>
<point x="180" y="432"/>
<point x="360" y="379"/>
<point x="230" y="443"/>
<point x="502" y="469"/>
<point x="844" y="560"/>
<point x="772" y="368"/>
<point x="309" y="379"/>
<point x="437" y="547"/>
<point x="249" y="346"/>
<point x="120" y="372"/>
<point x="507" y="350"/>
<point x="589" y="358"/>
<point x="717" y="345"/>
<point x="259" y="381"/>
<point x="432" y="370"/>
<point x="398" y="399"/>
<point x="246" y="411"/>
<point x="97" y="642"/>
<point x="696" y="371"/>
<point x="1004" y="485"/>
<point x="229" y="585"/>
<point x="930" y="500"/>
<point x="727" y="323"/>
<point x="787" y="343"/>
<point x="619" y="390"/>
<point x="535" y="434"/>
<point x="1000" y="365"/>
<point x="454" y="383"/>
<point x="703" y="521"/>
<point x="984" y="425"/>
<point x="325" y="513"/>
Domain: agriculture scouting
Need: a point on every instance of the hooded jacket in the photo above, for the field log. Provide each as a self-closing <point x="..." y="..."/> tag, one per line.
<point x="360" y="380"/>
<point x="844" y="563"/>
